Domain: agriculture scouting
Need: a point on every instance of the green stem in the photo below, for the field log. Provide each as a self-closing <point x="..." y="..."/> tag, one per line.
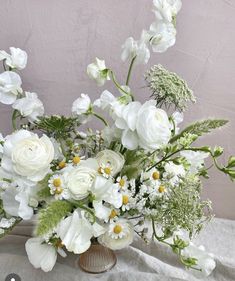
<point x="100" y="118"/>
<point x="129" y="71"/>
<point x="13" y="119"/>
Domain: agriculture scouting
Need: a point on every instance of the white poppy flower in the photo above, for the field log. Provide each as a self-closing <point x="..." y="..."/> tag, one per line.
<point x="10" y="86"/>
<point x="163" y="36"/>
<point x="81" y="105"/>
<point x="205" y="261"/>
<point x="119" y="235"/>
<point x="29" y="106"/>
<point x="152" y="126"/>
<point x="40" y="254"/>
<point x="166" y="9"/>
<point x="27" y="155"/>
<point x="98" y="72"/>
<point x="112" y="158"/>
<point x="195" y="159"/>
<point x="16" y="59"/>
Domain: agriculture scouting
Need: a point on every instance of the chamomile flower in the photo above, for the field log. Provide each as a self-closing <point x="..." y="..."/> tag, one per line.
<point x="127" y="200"/>
<point x="152" y="176"/>
<point x="122" y="182"/>
<point x="105" y="170"/>
<point x="57" y="187"/>
<point x="118" y="229"/>
<point x="114" y="214"/>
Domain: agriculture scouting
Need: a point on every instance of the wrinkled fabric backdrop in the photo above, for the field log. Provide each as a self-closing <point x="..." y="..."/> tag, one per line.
<point x="62" y="37"/>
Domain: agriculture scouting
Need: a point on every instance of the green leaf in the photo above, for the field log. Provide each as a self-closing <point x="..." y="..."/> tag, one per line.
<point x="44" y="193"/>
<point x="52" y="215"/>
<point x="231" y="162"/>
<point x="201" y="127"/>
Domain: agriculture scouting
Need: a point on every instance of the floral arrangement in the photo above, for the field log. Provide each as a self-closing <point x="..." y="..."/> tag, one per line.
<point x="139" y="175"/>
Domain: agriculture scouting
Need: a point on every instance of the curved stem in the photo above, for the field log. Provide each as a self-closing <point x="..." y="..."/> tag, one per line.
<point x="100" y="118"/>
<point x="129" y="71"/>
<point x="13" y="119"/>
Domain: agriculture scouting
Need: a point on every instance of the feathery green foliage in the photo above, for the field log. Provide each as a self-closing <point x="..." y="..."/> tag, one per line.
<point x="201" y="127"/>
<point x="52" y="215"/>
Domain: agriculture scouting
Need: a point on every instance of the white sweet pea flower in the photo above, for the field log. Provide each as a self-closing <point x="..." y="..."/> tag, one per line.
<point x="1" y="144"/>
<point x="105" y="101"/>
<point x="178" y="118"/>
<point x="10" y="86"/>
<point x="138" y="49"/>
<point x="119" y="235"/>
<point x="29" y="106"/>
<point x="174" y="172"/>
<point x="205" y="261"/>
<point x="114" y="159"/>
<point x="40" y="254"/>
<point x="195" y="159"/>
<point x="166" y="9"/>
<point x="81" y="105"/>
<point x="163" y="36"/>
<point x="76" y="232"/>
<point x="152" y="126"/>
<point x="16" y="59"/>
<point x="98" y="72"/>
<point x="26" y="155"/>
<point x="79" y="179"/>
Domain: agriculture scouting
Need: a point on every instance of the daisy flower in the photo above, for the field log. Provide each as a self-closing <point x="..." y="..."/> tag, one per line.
<point x="105" y="170"/>
<point x="122" y="182"/>
<point x="57" y="187"/>
<point x="118" y="229"/>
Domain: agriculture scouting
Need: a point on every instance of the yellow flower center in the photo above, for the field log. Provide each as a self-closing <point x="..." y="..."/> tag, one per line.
<point x="161" y="189"/>
<point x="58" y="190"/>
<point x="117" y="229"/>
<point x="107" y="171"/>
<point x="57" y="182"/>
<point x="125" y="199"/>
<point x="122" y="182"/>
<point x="156" y="176"/>
<point x="76" y="159"/>
<point x="112" y="214"/>
<point x="62" y="164"/>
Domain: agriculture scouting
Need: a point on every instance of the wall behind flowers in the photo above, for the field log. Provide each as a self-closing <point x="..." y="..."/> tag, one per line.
<point x="61" y="37"/>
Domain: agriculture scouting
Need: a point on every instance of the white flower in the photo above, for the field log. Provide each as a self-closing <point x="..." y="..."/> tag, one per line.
<point x="153" y="126"/>
<point x="10" y="86"/>
<point x="76" y="232"/>
<point x="112" y="158"/>
<point x="17" y="59"/>
<point x="79" y="179"/>
<point x="98" y="72"/>
<point x="29" y="106"/>
<point x="195" y="159"/>
<point x="57" y="187"/>
<point x="122" y="182"/>
<point x="174" y="172"/>
<point x="110" y="134"/>
<point x="105" y="101"/>
<point x="27" y="155"/>
<point x="7" y="223"/>
<point x="132" y="48"/>
<point x="162" y="36"/>
<point x="1" y="144"/>
<point x="178" y="118"/>
<point x="81" y="105"/>
<point x="118" y="236"/>
<point x="205" y="261"/>
<point x="41" y="255"/>
<point x="166" y="9"/>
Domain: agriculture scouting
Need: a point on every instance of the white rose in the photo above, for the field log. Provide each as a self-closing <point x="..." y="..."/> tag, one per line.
<point x="153" y="126"/>
<point x="10" y="86"/>
<point x="27" y="155"/>
<point x="81" y="105"/>
<point x="118" y="235"/>
<point x="162" y="36"/>
<point x="29" y="106"/>
<point x="16" y="59"/>
<point x="98" y="72"/>
<point x="114" y="159"/>
<point x="79" y="179"/>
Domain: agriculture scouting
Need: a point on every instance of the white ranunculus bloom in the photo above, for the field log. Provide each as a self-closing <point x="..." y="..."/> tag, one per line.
<point x="162" y="36"/>
<point x="205" y="261"/>
<point x="76" y="232"/>
<point x="118" y="235"/>
<point x="195" y="159"/>
<point x="166" y="9"/>
<point x="153" y="126"/>
<point x="16" y="59"/>
<point x="105" y="101"/>
<point x="10" y="86"/>
<point x="132" y="48"/>
<point x="81" y="105"/>
<point x="29" y="106"/>
<point x="41" y="255"/>
<point x="79" y="179"/>
<point x="174" y="172"/>
<point x="114" y="159"/>
<point x="27" y="155"/>
<point x="98" y="72"/>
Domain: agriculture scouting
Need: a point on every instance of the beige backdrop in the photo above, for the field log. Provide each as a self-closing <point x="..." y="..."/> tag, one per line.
<point x="62" y="37"/>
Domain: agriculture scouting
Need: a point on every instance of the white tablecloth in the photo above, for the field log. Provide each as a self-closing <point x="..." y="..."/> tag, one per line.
<point x="137" y="262"/>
